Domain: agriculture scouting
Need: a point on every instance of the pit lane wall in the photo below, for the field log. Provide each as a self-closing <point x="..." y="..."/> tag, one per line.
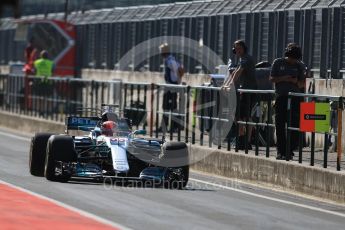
<point x="145" y="76"/>
<point x="311" y="181"/>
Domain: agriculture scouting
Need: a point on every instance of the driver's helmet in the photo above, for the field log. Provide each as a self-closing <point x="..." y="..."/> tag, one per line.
<point x="109" y="116"/>
<point x="108" y="128"/>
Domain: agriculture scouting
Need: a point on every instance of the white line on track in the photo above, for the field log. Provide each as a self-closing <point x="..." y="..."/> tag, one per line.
<point x="66" y="206"/>
<point x="220" y="186"/>
<point x="270" y="198"/>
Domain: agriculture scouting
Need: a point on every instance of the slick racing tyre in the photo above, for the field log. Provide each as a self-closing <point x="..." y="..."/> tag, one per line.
<point x="60" y="149"/>
<point x="175" y="156"/>
<point x="38" y="153"/>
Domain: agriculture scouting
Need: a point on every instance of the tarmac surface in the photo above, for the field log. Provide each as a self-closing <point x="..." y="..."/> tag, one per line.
<point x="208" y="202"/>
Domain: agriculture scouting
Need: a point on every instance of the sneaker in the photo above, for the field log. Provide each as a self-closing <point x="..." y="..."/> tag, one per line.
<point x="174" y="130"/>
<point x="280" y="157"/>
<point x="159" y="130"/>
<point x="241" y="146"/>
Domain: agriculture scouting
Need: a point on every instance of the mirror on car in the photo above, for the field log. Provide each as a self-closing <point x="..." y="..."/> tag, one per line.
<point x="140" y="132"/>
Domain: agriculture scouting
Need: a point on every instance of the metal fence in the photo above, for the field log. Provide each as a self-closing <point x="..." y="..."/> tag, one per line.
<point x="337" y="132"/>
<point x="202" y="115"/>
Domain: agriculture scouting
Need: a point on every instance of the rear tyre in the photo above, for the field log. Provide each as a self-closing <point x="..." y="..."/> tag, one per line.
<point x="60" y="148"/>
<point x="38" y="153"/>
<point x="175" y="156"/>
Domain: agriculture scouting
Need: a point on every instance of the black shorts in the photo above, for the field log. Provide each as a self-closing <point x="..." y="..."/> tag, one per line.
<point x="169" y="100"/>
<point x="245" y="104"/>
<point x="43" y="89"/>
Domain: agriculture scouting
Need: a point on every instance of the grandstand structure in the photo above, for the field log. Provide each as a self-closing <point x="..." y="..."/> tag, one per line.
<point x="104" y="36"/>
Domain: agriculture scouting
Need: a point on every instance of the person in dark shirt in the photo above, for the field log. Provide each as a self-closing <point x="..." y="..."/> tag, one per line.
<point x="301" y="84"/>
<point x="244" y="78"/>
<point x="287" y="74"/>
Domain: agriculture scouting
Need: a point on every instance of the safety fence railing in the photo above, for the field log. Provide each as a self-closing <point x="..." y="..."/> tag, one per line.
<point x="262" y="113"/>
<point x="177" y="112"/>
<point x="212" y="115"/>
<point x="55" y="97"/>
<point x="259" y="105"/>
<point x="316" y="109"/>
<point x="197" y="114"/>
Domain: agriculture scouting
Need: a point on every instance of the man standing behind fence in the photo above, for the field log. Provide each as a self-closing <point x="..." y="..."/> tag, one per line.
<point x="43" y="68"/>
<point x="287" y="74"/>
<point x="243" y="77"/>
<point x="172" y="75"/>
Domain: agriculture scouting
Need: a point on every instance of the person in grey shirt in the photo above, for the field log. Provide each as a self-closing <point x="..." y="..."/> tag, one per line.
<point x="287" y="74"/>
<point x="243" y="77"/>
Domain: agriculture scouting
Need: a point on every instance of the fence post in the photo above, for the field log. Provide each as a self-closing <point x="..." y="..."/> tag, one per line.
<point x="340" y="130"/>
<point x="312" y="150"/>
<point x="92" y="93"/>
<point x="137" y="103"/>
<point x="246" y="141"/>
<point x="187" y="114"/>
<point x="145" y="103"/>
<point x="209" y="118"/>
<point x="202" y="117"/>
<point x="68" y="96"/>
<point x="157" y="109"/>
<point x="325" y="147"/>
<point x="300" y="146"/>
<point x="151" y="109"/>
<point x="194" y="93"/>
<point x="288" y="132"/>
<point x="125" y="97"/>
<point x="268" y="128"/>
<point x="238" y="110"/>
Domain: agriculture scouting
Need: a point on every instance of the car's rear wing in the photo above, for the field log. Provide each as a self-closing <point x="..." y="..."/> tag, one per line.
<point x="81" y="123"/>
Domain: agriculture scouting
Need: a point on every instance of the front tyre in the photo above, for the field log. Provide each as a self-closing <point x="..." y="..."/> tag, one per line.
<point x="38" y="153"/>
<point x="60" y="150"/>
<point x="176" y="158"/>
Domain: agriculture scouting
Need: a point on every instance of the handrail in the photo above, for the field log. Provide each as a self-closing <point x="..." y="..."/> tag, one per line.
<point x="334" y="98"/>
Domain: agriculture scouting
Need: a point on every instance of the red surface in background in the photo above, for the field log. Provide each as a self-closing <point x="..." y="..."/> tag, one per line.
<point x="307" y="125"/>
<point x="21" y="210"/>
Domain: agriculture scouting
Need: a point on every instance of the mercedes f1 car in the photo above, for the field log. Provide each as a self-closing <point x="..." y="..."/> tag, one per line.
<point x="111" y="150"/>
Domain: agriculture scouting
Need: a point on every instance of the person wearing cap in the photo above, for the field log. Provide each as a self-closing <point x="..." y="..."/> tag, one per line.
<point x="171" y="76"/>
<point x="287" y="74"/>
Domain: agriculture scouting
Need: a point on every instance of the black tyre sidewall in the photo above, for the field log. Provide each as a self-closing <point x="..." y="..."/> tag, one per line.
<point x="175" y="147"/>
<point x="174" y="154"/>
<point x="59" y="148"/>
<point x="38" y="153"/>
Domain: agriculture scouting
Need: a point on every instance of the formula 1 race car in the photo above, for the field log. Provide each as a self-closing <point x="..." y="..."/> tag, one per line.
<point x="110" y="150"/>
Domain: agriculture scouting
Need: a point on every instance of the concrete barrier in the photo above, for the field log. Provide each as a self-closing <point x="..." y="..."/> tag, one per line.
<point x="312" y="181"/>
<point x="145" y="76"/>
<point x="29" y="124"/>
